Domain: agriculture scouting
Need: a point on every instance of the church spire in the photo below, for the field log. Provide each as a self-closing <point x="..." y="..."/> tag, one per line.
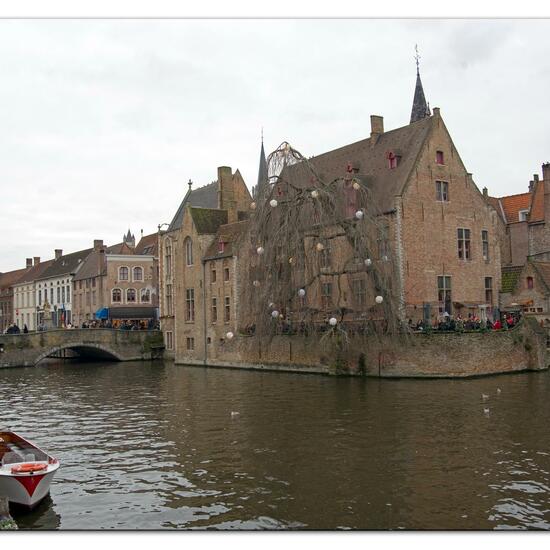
<point x="262" y="172"/>
<point x="420" y="107"/>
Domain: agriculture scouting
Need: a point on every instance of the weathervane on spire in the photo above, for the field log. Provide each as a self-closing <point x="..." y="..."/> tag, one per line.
<point x="417" y="58"/>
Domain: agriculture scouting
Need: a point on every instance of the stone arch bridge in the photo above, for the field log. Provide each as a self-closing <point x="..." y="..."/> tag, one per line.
<point x="26" y="350"/>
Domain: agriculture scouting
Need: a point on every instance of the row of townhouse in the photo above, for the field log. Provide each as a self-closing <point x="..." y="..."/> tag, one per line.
<point x="118" y="282"/>
<point x="444" y="235"/>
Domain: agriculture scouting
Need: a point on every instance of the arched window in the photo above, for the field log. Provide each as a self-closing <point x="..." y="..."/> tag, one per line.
<point x="131" y="296"/>
<point x="138" y="274"/>
<point x="145" y="296"/>
<point x="167" y="259"/>
<point x="116" y="296"/>
<point x="188" y="251"/>
<point x="122" y="273"/>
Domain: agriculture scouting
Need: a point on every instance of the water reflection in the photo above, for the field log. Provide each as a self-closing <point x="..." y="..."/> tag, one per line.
<point x="149" y="446"/>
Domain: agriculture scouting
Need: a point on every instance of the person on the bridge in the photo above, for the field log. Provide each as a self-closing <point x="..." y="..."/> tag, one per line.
<point x="25" y="329"/>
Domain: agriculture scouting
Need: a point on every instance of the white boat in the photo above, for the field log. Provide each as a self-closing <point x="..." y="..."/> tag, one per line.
<point x="26" y="471"/>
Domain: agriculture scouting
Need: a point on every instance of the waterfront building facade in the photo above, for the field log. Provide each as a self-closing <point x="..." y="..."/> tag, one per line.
<point x="55" y="285"/>
<point x="182" y="248"/>
<point x="24" y="294"/>
<point x="7" y="280"/>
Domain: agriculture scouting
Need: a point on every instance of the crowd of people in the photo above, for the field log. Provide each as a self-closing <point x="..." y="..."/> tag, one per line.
<point x="458" y="323"/>
<point x="149" y="324"/>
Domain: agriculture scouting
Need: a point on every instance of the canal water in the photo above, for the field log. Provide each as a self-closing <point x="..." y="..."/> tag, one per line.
<point x="158" y="446"/>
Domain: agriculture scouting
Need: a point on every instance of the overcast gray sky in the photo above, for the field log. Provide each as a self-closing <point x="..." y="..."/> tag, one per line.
<point x="103" y="122"/>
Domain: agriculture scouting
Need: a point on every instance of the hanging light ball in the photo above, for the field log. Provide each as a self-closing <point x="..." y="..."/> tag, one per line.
<point x="256" y="283"/>
<point x="359" y="214"/>
<point x="379" y="299"/>
<point x="281" y="316"/>
<point x="273" y="203"/>
<point x="274" y="314"/>
<point x="315" y="194"/>
<point x="320" y="246"/>
<point x="368" y="262"/>
<point x="252" y="206"/>
<point x="229" y="335"/>
<point x="301" y="293"/>
<point x="356" y="185"/>
<point x="332" y="321"/>
<point x="260" y="250"/>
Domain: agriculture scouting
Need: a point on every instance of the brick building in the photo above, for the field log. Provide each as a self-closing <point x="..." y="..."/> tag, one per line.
<point x="7" y="280"/>
<point x="182" y="247"/>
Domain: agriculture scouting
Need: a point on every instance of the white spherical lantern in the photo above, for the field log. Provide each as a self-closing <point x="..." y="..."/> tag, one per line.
<point x="273" y="203"/>
<point x="379" y="299"/>
<point x="356" y="185"/>
<point x="359" y="214"/>
<point x="229" y="335"/>
<point x="332" y="321"/>
<point x="260" y="250"/>
<point x="368" y="262"/>
<point x="256" y="283"/>
<point x="320" y="246"/>
<point x="274" y="314"/>
<point x="281" y="316"/>
<point x="252" y="206"/>
<point x="315" y="194"/>
<point x="301" y="293"/>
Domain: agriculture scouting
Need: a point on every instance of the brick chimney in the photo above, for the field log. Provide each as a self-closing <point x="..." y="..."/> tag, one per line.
<point x="226" y="193"/>
<point x="58" y="253"/>
<point x="376" y="128"/>
<point x="36" y="260"/>
<point x="485" y="193"/>
<point x="29" y="262"/>
<point x="98" y="243"/>
<point x="546" y="171"/>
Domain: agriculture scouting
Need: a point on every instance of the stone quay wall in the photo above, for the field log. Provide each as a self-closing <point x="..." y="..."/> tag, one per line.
<point x="24" y="350"/>
<point x="428" y="355"/>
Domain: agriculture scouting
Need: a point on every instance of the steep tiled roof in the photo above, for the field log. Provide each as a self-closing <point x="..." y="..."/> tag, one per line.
<point x="229" y="234"/>
<point x="65" y="265"/>
<point x="90" y="266"/>
<point x="537" y="209"/>
<point x="148" y="245"/>
<point x="372" y="162"/>
<point x="9" y="278"/>
<point x="512" y="204"/>
<point x="34" y="272"/>
<point x="203" y="197"/>
<point x="510" y="276"/>
<point x="207" y="220"/>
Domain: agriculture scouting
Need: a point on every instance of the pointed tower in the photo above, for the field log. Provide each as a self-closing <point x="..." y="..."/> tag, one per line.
<point x="420" y="108"/>
<point x="263" y="181"/>
<point x="129" y="239"/>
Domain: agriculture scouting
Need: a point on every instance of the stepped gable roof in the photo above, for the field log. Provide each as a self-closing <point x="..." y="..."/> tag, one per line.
<point x="90" y="266"/>
<point x="9" y="278"/>
<point x="203" y="197"/>
<point x="371" y="159"/>
<point x="537" y="205"/>
<point x="512" y="204"/>
<point x="207" y="220"/>
<point x="509" y="277"/>
<point x="229" y="234"/>
<point x="66" y="264"/>
<point x="148" y="245"/>
<point x="34" y="272"/>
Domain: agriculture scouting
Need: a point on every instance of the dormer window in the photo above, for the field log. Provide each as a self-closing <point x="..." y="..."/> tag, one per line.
<point x="523" y="215"/>
<point x="439" y="157"/>
<point x="221" y="247"/>
<point x="393" y="160"/>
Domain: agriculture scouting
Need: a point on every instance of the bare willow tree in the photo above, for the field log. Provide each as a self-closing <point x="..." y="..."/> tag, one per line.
<point x="319" y="259"/>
